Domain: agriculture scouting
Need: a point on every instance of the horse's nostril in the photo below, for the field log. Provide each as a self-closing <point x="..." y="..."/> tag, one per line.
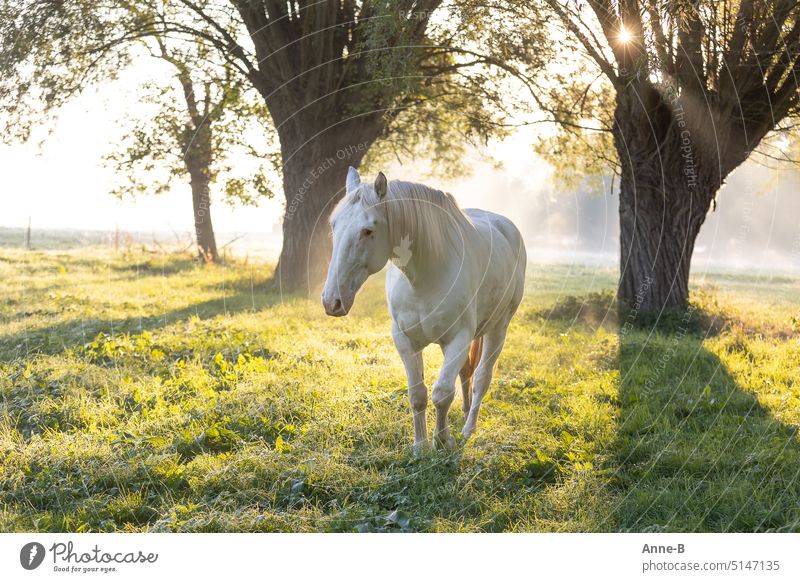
<point x="337" y="306"/>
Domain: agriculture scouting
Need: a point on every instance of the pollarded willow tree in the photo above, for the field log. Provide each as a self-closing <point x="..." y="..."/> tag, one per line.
<point x="336" y="77"/>
<point x="691" y="89"/>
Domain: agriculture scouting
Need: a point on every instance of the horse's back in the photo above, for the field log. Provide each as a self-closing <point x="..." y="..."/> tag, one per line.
<point x="504" y="272"/>
<point x="488" y="223"/>
<point x="490" y="279"/>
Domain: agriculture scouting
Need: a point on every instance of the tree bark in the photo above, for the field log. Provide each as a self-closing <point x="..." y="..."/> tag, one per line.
<point x="656" y="243"/>
<point x="667" y="186"/>
<point x="201" y="205"/>
<point x="314" y="173"/>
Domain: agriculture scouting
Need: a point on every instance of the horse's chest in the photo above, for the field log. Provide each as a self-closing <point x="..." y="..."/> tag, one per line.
<point x="428" y="322"/>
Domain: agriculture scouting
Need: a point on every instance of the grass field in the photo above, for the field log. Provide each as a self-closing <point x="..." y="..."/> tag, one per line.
<point x="142" y="392"/>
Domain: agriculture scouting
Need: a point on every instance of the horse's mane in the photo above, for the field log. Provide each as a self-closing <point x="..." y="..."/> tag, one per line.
<point x="430" y="218"/>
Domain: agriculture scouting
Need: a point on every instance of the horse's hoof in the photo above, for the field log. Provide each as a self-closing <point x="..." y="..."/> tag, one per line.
<point x="420" y="448"/>
<point x="467" y="431"/>
<point x="446" y="444"/>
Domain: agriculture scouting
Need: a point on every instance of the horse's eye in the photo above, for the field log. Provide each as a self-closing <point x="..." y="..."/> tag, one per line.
<point x="365" y="232"/>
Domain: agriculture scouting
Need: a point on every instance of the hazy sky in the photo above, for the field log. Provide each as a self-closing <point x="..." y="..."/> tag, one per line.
<point x="65" y="186"/>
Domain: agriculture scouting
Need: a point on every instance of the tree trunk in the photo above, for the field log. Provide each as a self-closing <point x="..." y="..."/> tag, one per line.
<point x="314" y="181"/>
<point x="658" y="229"/>
<point x="667" y="185"/>
<point x="201" y="204"/>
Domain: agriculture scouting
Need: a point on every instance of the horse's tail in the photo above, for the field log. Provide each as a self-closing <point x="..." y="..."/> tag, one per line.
<point x="468" y="371"/>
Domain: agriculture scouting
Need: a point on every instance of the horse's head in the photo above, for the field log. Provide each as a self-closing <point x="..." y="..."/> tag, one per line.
<point x="360" y="242"/>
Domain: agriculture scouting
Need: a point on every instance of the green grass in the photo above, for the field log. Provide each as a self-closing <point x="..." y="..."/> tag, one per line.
<point x="143" y="392"/>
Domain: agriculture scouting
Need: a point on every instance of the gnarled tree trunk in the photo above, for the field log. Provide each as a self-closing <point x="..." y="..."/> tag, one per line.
<point x="330" y="94"/>
<point x="669" y="180"/>
<point x="698" y="85"/>
<point x="658" y="228"/>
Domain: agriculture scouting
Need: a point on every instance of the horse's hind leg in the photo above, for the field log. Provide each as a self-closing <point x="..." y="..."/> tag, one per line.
<point x="492" y="346"/>
<point x="467" y="372"/>
<point x="466" y="388"/>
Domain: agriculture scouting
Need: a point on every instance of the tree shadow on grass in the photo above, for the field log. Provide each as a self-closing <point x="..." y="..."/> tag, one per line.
<point x="706" y="317"/>
<point x="695" y="450"/>
<point x="239" y="297"/>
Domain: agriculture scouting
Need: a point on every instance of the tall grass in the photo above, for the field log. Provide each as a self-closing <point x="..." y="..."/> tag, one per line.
<point x="142" y="392"/>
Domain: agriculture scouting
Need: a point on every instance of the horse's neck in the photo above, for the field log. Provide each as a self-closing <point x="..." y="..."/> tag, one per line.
<point x="425" y="274"/>
<point x="421" y="274"/>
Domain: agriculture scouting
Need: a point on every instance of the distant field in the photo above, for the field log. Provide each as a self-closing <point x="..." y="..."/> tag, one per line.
<point x="265" y="245"/>
<point x="145" y="392"/>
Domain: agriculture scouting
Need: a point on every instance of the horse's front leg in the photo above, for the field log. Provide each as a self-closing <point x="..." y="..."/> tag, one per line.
<point x="417" y="391"/>
<point x="444" y="389"/>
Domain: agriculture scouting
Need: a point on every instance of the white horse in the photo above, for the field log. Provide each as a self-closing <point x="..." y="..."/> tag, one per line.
<point x="456" y="280"/>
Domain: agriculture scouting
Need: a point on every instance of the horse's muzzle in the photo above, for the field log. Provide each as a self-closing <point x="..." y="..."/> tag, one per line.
<point x="334" y="308"/>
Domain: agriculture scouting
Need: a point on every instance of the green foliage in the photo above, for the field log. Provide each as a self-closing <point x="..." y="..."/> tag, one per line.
<point x="50" y="51"/>
<point x="410" y="74"/>
<point x="206" y="115"/>
<point x="581" y="147"/>
<point x="144" y="393"/>
<point x="458" y="90"/>
<point x="207" y="122"/>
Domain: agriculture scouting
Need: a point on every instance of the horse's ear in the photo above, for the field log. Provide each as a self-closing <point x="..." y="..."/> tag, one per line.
<point x="353" y="180"/>
<point x="381" y="185"/>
